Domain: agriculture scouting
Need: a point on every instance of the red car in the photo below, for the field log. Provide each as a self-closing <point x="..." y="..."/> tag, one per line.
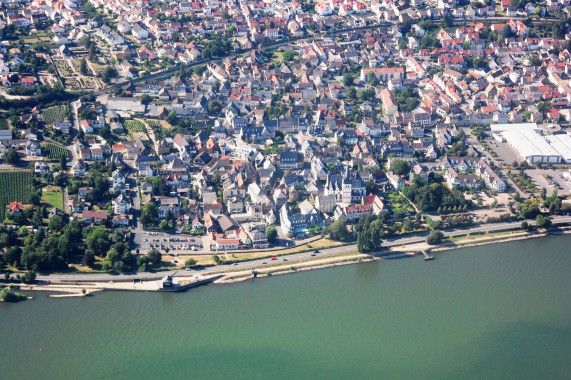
<point x="274" y="258"/>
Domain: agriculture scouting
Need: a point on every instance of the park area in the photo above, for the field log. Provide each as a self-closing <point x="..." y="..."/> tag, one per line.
<point x="15" y="186"/>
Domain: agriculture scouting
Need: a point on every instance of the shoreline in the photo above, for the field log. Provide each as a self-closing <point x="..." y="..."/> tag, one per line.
<point x="410" y="250"/>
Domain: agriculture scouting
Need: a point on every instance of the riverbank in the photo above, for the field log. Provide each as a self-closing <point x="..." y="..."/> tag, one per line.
<point x="86" y="288"/>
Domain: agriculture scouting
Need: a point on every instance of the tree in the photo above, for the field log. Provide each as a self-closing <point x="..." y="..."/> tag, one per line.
<point x="543" y="107"/>
<point x="11" y="156"/>
<point x="435" y="237"/>
<point x="88" y="259"/>
<point x="287" y="55"/>
<point x="371" y="187"/>
<point x="214" y="107"/>
<point x="83" y="67"/>
<point x="98" y="241"/>
<point x="337" y="231"/>
<point x="534" y="60"/>
<point x="155" y="257"/>
<point x="171" y="118"/>
<point x="348" y="80"/>
<point x="190" y="263"/>
<point x="150" y="214"/>
<point x="401" y="167"/>
<point x="108" y="73"/>
<point x="529" y="208"/>
<point x="146" y="99"/>
<point x="542" y="222"/>
<point x="271" y="234"/>
<point x="351" y="93"/>
<point x="12" y="256"/>
<point x="372" y="79"/>
<point x="56" y="223"/>
<point x="63" y="162"/>
<point x="29" y="277"/>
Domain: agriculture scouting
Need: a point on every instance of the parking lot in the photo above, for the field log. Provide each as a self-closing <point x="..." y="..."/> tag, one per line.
<point x="506" y="155"/>
<point x="556" y="180"/>
<point x="174" y="243"/>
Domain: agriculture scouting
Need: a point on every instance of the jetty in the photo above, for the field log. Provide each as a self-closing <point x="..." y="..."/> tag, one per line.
<point x="427" y="256"/>
<point x="167" y="284"/>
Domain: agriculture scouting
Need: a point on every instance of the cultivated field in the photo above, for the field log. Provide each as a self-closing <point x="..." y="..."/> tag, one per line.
<point x="55" y="114"/>
<point x="53" y="151"/>
<point x="153" y="123"/>
<point x="15" y="186"/>
<point x="135" y="126"/>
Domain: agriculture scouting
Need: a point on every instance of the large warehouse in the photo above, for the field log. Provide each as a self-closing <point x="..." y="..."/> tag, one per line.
<point x="528" y="140"/>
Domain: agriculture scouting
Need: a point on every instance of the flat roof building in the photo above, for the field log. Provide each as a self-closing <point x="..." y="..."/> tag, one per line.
<point x="528" y="140"/>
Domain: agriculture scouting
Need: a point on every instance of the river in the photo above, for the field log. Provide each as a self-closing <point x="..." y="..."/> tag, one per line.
<point x="492" y="312"/>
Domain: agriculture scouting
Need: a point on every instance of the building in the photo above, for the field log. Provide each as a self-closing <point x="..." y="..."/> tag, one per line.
<point x="325" y="203"/>
<point x="121" y="205"/>
<point x="531" y="144"/>
<point x="289" y="160"/>
<point x="299" y="223"/>
<point x="346" y="188"/>
<point x="475" y="168"/>
<point x="384" y="74"/>
<point x="389" y="103"/>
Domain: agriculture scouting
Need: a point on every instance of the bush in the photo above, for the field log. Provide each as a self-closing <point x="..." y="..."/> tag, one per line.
<point x="542" y="222"/>
<point x="435" y="237"/>
<point x="190" y="262"/>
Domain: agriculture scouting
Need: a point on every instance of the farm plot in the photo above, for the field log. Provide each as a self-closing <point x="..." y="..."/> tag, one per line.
<point x="15" y="186"/>
<point x="55" y="114"/>
<point x="153" y="123"/>
<point x="135" y="126"/>
<point x="54" y="151"/>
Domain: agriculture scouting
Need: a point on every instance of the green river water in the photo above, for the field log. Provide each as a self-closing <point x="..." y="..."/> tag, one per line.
<point x="492" y="312"/>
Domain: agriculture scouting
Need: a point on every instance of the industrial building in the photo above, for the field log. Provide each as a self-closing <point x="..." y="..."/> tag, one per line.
<point x="530" y="143"/>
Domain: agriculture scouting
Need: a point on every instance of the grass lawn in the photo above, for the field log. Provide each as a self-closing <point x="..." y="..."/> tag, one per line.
<point x="318" y="244"/>
<point x="53" y="196"/>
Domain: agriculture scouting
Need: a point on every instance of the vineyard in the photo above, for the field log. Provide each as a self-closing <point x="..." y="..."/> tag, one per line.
<point x="55" y="114"/>
<point x="15" y="186"/>
<point x="135" y="126"/>
<point x="153" y="123"/>
<point x="54" y="151"/>
<point x="3" y="123"/>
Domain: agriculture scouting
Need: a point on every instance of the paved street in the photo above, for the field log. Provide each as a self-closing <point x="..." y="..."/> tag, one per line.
<point x="289" y="258"/>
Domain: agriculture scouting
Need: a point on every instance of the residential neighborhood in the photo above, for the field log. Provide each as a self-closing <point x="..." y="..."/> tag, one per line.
<point x="209" y="129"/>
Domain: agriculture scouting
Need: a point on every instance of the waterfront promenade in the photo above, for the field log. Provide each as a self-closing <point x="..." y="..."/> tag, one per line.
<point x="387" y="243"/>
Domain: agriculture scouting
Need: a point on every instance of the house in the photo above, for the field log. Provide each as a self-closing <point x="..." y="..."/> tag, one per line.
<point x="5" y="134"/>
<point x="121" y="205"/>
<point x="226" y="244"/>
<point x="15" y="208"/>
<point x="120" y="221"/>
<point x="89" y="216"/>
<point x="293" y="225"/>
<point x="33" y="149"/>
<point x="139" y="32"/>
<point x="78" y="168"/>
<point x="41" y="168"/>
<point x="325" y="203"/>
<point x="289" y="160"/>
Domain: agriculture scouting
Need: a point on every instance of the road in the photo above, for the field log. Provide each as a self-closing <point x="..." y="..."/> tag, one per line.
<point x="418" y="238"/>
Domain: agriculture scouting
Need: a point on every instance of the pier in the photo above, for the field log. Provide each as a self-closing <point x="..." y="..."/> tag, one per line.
<point x="426" y="255"/>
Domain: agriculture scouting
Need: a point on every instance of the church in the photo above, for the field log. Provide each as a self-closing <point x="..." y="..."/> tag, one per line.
<point x="347" y="188"/>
